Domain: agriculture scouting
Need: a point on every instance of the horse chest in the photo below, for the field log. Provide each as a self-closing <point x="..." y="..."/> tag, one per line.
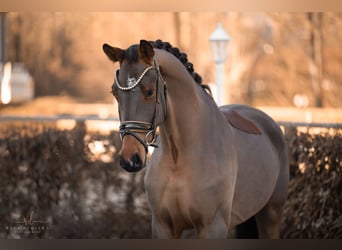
<point x="176" y="194"/>
<point x="174" y="202"/>
<point x="177" y="210"/>
<point x="181" y="198"/>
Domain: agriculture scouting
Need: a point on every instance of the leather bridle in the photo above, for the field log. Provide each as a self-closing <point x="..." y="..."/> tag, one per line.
<point x="147" y="128"/>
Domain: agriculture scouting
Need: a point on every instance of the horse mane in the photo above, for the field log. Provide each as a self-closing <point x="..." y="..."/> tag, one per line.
<point x="183" y="58"/>
<point x="131" y="54"/>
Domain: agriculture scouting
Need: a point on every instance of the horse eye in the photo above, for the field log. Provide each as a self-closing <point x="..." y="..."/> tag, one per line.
<point x="149" y="92"/>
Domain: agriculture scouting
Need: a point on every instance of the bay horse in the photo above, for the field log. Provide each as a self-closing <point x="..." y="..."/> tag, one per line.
<point x="213" y="168"/>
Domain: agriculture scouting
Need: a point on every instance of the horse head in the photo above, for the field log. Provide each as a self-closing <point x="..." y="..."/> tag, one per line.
<point x="141" y="95"/>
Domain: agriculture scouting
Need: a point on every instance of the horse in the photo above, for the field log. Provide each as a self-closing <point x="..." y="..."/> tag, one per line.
<point x="213" y="168"/>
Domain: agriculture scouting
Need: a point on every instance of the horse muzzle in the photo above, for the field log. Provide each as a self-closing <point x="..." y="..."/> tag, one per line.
<point x="133" y="165"/>
<point x="135" y="137"/>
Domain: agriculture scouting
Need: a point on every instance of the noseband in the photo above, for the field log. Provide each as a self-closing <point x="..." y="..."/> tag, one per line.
<point x="134" y="127"/>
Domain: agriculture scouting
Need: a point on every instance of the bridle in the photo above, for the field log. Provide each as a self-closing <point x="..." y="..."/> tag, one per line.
<point x="134" y="127"/>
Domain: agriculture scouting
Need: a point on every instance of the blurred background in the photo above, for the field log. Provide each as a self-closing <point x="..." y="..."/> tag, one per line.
<point x="272" y="56"/>
<point x="58" y="121"/>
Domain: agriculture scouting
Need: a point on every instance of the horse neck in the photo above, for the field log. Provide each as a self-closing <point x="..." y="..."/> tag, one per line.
<point x="191" y="114"/>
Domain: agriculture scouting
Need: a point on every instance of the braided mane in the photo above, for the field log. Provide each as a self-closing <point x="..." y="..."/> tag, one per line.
<point x="183" y="58"/>
<point x="131" y="54"/>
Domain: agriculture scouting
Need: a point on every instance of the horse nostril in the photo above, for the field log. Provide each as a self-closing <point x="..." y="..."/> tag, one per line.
<point x="123" y="162"/>
<point x="133" y="165"/>
<point x="136" y="160"/>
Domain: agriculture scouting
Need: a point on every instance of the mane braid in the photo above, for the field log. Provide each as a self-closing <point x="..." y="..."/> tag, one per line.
<point x="159" y="44"/>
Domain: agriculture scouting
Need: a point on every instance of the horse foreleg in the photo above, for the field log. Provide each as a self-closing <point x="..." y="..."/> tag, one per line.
<point x="164" y="229"/>
<point x="215" y="229"/>
<point x="159" y="231"/>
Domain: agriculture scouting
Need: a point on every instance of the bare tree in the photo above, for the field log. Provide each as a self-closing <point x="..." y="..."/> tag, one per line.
<point x="177" y="24"/>
<point x="315" y="56"/>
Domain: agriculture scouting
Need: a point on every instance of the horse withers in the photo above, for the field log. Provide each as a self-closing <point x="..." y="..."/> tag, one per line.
<point x="213" y="168"/>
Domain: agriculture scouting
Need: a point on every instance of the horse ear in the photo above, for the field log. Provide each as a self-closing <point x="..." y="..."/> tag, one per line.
<point x="114" y="54"/>
<point x="146" y="51"/>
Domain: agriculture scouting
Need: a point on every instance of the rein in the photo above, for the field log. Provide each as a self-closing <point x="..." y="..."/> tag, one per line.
<point x="134" y="127"/>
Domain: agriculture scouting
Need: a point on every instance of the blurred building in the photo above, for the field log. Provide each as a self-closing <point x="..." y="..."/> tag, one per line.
<point x="16" y="84"/>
